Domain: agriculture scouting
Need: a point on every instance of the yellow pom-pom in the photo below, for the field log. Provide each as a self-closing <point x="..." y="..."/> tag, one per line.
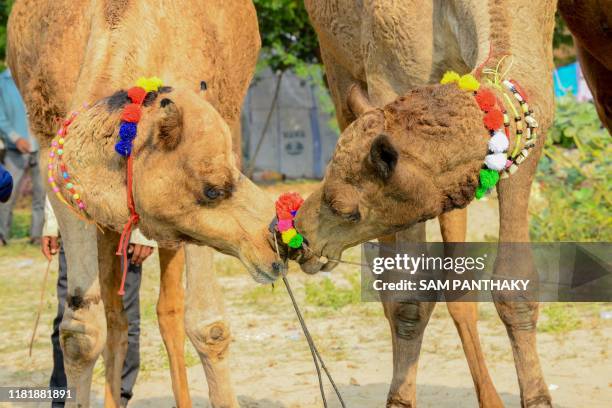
<point x="468" y="83"/>
<point x="287" y="235"/>
<point x="149" y="84"/>
<point x="449" y="77"/>
<point x="157" y="82"/>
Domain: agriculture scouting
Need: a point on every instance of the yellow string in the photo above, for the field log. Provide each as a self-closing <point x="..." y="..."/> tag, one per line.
<point x="497" y="77"/>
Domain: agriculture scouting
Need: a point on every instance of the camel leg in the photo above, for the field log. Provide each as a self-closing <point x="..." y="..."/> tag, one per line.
<point x="520" y="318"/>
<point x="453" y="226"/>
<point x="206" y="325"/>
<point x="598" y="78"/>
<point x="83" y="327"/>
<point x="170" y="316"/>
<point x="116" y="320"/>
<point x="407" y="321"/>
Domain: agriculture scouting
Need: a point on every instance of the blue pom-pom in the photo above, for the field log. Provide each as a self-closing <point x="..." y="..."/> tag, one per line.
<point x="127" y="131"/>
<point x="124" y="147"/>
<point x="293" y="213"/>
<point x="6" y="185"/>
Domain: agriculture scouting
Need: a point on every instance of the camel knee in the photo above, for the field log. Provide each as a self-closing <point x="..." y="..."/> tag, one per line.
<point x="211" y="340"/>
<point x="83" y="331"/>
<point x="409" y="320"/>
<point x="518" y="315"/>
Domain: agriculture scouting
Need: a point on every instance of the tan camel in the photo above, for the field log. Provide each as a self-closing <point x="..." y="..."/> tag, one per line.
<point x="590" y="23"/>
<point x="404" y="159"/>
<point x="187" y="185"/>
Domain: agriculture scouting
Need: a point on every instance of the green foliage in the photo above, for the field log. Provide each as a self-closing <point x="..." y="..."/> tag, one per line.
<point x="20" y="228"/>
<point x="574" y="118"/>
<point x="575" y="178"/>
<point x="5" y="10"/>
<point x="559" y="318"/>
<point x="561" y="34"/>
<point x="326" y="293"/>
<point x="287" y="38"/>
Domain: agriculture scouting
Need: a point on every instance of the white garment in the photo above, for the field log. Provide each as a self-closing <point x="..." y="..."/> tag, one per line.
<point x="51" y="229"/>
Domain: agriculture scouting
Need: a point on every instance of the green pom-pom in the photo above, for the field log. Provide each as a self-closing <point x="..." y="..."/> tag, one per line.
<point x="296" y="241"/>
<point x="480" y="192"/>
<point x="488" y="178"/>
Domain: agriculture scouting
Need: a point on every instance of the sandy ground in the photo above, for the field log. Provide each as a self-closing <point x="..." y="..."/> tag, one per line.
<point x="272" y="367"/>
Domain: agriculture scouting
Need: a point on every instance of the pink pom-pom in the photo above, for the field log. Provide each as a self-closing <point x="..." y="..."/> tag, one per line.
<point x="61" y="131"/>
<point x="54" y="143"/>
<point x="284" y="225"/>
<point x="56" y="189"/>
<point x="50" y="179"/>
<point x="81" y="205"/>
<point x="52" y="154"/>
<point x="50" y="167"/>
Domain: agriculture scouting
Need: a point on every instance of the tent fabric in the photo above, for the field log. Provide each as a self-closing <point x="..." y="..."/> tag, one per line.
<point x="299" y="142"/>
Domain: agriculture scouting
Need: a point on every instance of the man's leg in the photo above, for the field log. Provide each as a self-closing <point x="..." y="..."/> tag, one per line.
<point x="131" y="305"/>
<point x="38" y="198"/>
<point x="16" y="164"/>
<point x="58" y="376"/>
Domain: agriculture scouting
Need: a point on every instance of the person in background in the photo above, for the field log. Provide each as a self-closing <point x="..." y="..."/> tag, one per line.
<point x="21" y="155"/>
<point x="6" y="185"/>
<point x="140" y="248"/>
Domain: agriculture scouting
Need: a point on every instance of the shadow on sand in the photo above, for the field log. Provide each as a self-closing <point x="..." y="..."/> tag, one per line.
<point x="365" y="396"/>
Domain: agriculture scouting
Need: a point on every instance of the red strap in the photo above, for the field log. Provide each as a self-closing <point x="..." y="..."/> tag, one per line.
<point x="124" y="241"/>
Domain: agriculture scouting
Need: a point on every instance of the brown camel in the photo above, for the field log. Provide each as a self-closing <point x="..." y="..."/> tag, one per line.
<point x="404" y="159"/>
<point x="187" y="186"/>
<point x="590" y="23"/>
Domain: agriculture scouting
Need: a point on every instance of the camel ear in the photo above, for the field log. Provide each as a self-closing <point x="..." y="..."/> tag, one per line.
<point x="383" y="157"/>
<point x="358" y="101"/>
<point x="169" y="126"/>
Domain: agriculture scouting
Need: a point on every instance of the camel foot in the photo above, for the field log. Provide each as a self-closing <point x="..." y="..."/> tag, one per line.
<point x="398" y="402"/>
<point x="542" y="401"/>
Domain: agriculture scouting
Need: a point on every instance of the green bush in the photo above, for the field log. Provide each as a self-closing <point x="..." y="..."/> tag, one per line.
<point x="326" y="293"/>
<point x="574" y="177"/>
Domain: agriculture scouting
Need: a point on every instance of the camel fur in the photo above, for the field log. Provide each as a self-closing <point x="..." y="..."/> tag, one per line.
<point x="65" y="54"/>
<point x="411" y="151"/>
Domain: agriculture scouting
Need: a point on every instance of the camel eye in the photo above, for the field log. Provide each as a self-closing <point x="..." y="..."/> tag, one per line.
<point x="213" y="193"/>
<point x="354" y="216"/>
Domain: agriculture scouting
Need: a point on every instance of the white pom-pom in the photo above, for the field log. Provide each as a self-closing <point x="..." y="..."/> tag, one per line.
<point x="496" y="161"/>
<point x="498" y="142"/>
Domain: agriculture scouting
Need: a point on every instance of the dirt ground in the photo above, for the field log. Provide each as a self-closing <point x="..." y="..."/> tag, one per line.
<point x="271" y="364"/>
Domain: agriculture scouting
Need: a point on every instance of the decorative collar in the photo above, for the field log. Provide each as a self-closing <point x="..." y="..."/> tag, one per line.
<point x="498" y="163"/>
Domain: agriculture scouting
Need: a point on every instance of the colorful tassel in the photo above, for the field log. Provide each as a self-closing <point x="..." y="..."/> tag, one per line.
<point x="287" y="206"/>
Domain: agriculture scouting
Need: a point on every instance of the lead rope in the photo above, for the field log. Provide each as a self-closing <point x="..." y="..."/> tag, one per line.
<point x="316" y="357"/>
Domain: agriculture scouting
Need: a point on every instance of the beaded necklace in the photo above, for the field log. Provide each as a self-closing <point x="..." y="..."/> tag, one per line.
<point x="56" y="155"/>
<point x="498" y="163"/>
<point x="130" y="117"/>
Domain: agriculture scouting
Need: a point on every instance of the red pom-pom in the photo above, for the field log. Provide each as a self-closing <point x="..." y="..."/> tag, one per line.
<point x="520" y="90"/>
<point x="485" y="99"/>
<point x="137" y="94"/>
<point x="131" y="113"/>
<point x="287" y="205"/>
<point x="493" y="119"/>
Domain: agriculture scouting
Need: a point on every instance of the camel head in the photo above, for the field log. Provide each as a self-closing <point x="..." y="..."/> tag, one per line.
<point x="393" y="167"/>
<point x="187" y="187"/>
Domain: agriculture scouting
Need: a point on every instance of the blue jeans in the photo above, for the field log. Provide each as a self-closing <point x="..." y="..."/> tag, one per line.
<point x="131" y="306"/>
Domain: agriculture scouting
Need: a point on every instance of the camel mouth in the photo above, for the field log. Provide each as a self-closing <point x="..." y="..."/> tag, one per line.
<point x="262" y="276"/>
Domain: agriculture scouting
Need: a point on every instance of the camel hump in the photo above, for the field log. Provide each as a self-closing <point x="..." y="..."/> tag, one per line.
<point x="113" y="11"/>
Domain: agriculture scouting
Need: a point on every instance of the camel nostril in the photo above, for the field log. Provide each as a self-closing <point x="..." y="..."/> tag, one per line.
<point x="277" y="267"/>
